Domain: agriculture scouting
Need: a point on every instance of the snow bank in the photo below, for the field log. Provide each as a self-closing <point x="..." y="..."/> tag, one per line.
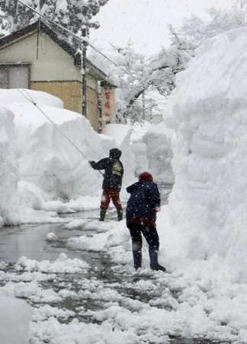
<point x="8" y="167"/>
<point x="40" y="168"/>
<point x="11" y="96"/>
<point x="47" y="158"/>
<point x="15" y="318"/>
<point x="158" y="140"/>
<point x="207" y="212"/>
<point x="138" y="147"/>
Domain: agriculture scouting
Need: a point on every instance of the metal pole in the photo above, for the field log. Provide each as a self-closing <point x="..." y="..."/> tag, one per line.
<point x="143" y="106"/>
<point x="84" y="74"/>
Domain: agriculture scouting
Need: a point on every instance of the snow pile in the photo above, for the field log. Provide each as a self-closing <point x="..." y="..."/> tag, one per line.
<point x="8" y="167"/>
<point x="40" y="168"/>
<point x="207" y="212"/>
<point x="15" y="318"/>
<point x="62" y="265"/>
<point x="158" y="140"/>
<point x="11" y="96"/>
<point x="46" y="157"/>
<point x="138" y="147"/>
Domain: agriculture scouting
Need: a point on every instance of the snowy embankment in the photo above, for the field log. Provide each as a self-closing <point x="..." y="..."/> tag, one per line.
<point x="208" y="206"/>
<point x="158" y="141"/>
<point x="42" y="172"/>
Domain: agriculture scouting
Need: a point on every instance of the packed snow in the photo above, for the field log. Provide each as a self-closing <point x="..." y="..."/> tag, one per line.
<point x="45" y="154"/>
<point x="207" y="209"/>
<point x="15" y="318"/>
<point x="158" y="141"/>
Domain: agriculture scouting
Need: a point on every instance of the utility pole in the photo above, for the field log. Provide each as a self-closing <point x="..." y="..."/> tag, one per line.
<point x="83" y="72"/>
<point x="143" y="106"/>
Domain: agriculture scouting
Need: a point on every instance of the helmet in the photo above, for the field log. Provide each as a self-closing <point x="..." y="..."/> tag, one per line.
<point x="145" y="176"/>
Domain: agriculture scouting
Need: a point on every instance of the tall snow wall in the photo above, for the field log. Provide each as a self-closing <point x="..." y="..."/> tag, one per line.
<point x="8" y="167"/>
<point x="45" y="157"/>
<point x="207" y="212"/>
<point x="158" y="140"/>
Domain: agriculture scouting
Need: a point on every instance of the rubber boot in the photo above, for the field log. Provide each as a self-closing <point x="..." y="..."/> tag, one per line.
<point x="102" y="214"/>
<point x="119" y="214"/>
<point x="154" y="265"/>
<point x="137" y="256"/>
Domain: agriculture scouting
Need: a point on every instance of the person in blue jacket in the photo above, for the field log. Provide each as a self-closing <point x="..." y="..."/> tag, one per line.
<point x="142" y="206"/>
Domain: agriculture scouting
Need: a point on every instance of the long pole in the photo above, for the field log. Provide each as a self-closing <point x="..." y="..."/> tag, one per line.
<point x="84" y="75"/>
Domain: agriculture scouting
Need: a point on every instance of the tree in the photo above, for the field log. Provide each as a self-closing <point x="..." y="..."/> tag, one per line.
<point x="195" y="30"/>
<point x="75" y="15"/>
<point x="137" y="74"/>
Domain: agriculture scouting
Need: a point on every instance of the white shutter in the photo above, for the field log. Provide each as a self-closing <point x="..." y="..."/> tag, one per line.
<point x="4" y="83"/>
<point x="18" y="77"/>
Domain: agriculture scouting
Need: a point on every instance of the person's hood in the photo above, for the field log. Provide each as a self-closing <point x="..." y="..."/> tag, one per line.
<point x="115" y="153"/>
<point x="134" y="187"/>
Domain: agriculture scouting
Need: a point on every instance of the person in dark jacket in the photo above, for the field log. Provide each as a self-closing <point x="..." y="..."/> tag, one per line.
<point x="142" y="206"/>
<point x="112" y="181"/>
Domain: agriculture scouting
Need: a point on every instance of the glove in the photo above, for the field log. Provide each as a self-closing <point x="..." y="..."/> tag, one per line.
<point x="92" y="163"/>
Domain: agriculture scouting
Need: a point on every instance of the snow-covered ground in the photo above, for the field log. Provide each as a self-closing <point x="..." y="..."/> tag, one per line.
<point x="15" y="318"/>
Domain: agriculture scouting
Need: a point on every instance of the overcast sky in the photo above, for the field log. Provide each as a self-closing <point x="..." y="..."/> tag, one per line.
<point x="145" y="22"/>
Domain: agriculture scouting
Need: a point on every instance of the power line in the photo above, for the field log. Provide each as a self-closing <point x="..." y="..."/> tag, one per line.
<point x="31" y="100"/>
<point x="81" y="40"/>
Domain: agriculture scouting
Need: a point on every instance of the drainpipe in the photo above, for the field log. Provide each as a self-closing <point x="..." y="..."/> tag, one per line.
<point x="83" y="73"/>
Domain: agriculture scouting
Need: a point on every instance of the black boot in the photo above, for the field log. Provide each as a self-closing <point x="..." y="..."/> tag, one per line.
<point x="154" y="265"/>
<point x="137" y="255"/>
<point x="102" y="214"/>
<point x="119" y="214"/>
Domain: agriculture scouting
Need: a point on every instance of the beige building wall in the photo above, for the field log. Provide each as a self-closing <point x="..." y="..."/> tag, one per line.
<point x="68" y="91"/>
<point x="49" y="61"/>
<point x="92" y="107"/>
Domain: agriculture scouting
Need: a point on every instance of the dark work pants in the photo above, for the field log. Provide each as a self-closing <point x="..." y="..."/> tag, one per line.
<point x="150" y="234"/>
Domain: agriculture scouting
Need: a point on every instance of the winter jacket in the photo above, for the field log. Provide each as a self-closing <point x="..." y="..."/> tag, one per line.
<point x="143" y="202"/>
<point x="114" y="170"/>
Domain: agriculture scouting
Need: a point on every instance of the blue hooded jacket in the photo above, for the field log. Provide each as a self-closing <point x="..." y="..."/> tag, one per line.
<point x="143" y="201"/>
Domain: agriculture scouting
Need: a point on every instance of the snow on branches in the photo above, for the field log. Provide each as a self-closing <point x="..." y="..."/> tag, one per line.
<point x="74" y="14"/>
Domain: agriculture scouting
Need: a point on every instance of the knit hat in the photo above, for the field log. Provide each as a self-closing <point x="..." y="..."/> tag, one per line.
<point x="146" y="176"/>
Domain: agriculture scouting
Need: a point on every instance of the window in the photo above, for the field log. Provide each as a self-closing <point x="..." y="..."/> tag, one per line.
<point x="14" y="76"/>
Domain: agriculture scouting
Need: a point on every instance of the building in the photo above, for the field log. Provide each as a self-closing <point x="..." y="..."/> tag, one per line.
<point x="37" y="58"/>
